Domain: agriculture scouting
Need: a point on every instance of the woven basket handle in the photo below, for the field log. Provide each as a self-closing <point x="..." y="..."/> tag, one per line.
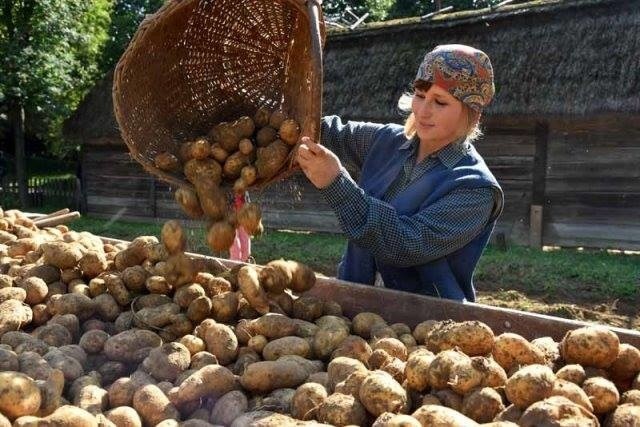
<point x="314" y="10"/>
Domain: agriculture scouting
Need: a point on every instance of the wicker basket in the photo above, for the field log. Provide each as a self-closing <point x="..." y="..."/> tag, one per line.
<point x="196" y="63"/>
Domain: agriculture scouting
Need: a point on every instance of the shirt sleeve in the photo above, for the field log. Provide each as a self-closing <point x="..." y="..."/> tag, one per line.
<point x="349" y="141"/>
<point x="404" y="241"/>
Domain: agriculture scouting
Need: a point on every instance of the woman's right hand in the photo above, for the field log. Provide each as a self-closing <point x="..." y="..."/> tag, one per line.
<point x="318" y="163"/>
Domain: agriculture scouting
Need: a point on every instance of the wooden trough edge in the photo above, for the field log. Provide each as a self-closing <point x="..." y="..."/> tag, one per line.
<point x="397" y="306"/>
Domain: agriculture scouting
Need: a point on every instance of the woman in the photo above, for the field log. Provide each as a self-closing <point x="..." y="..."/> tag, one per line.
<point x="425" y="204"/>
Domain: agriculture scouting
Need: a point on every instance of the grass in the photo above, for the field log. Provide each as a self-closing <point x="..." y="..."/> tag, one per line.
<point x="560" y="274"/>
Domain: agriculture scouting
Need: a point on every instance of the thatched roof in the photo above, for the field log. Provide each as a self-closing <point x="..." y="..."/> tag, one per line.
<point x="571" y="58"/>
<point x="94" y="119"/>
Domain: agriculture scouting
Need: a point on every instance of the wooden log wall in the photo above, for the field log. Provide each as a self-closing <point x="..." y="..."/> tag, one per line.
<point x="586" y="181"/>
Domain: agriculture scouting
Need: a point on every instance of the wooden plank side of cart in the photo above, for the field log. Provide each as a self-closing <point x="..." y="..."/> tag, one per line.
<point x="396" y="306"/>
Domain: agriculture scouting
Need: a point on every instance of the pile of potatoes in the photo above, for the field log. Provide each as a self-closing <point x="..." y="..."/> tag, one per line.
<point x="242" y="153"/>
<point x="141" y="334"/>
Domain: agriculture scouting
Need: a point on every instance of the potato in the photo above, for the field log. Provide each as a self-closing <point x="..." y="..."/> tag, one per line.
<point x="50" y="392"/>
<point x="211" y="380"/>
<point x="13" y="315"/>
<point x="92" y="399"/>
<point x="326" y="340"/>
<point x="71" y="368"/>
<point x="17" y="294"/>
<point x="156" y="317"/>
<point x="60" y="254"/>
<point x="221" y="342"/>
<point x="417" y="370"/>
<point x="224" y="306"/>
<point x="286" y="346"/>
<point x="126" y="346"/>
<point x="440" y="416"/>
<point x="602" y="393"/>
<point x="225" y="134"/>
<point x="249" y="285"/>
<point x="249" y="217"/>
<point x="66" y="415"/>
<point x="229" y="407"/>
<point x="482" y="405"/>
<point x="594" y="346"/>
<point x="573" y="392"/>
<point x="271" y="375"/>
<point x="557" y="410"/>
<point x="393" y="347"/>
<point x="249" y="174"/>
<point x="463" y="375"/>
<point x="220" y="236"/>
<point x="341" y="410"/>
<point x="165" y="363"/>
<point x="364" y="322"/>
<point x="167" y="162"/>
<point x="574" y="373"/>
<point x="355" y="347"/>
<point x="308" y="397"/>
<point x="623" y="416"/>
<point x="340" y="368"/>
<point x="234" y="164"/>
<point x="8" y="360"/>
<point x="93" y="341"/>
<point x="213" y="201"/>
<point x="471" y="337"/>
<point x="379" y="393"/>
<point x="93" y="263"/>
<point x="631" y="396"/>
<point x="530" y="384"/>
<point x="308" y="308"/>
<point x="271" y="159"/>
<point x="117" y="289"/>
<point x="153" y="406"/>
<point x="35" y="288"/>
<point x="180" y="270"/>
<point x="199" y="171"/>
<point x="189" y="202"/>
<point x="289" y="131"/>
<point x="266" y="136"/>
<point x="134" y="278"/>
<point x="511" y="350"/>
<point x="122" y="390"/>
<point x="626" y="365"/>
<point x="124" y="416"/>
<point x="19" y="395"/>
<point x="199" y="309"/>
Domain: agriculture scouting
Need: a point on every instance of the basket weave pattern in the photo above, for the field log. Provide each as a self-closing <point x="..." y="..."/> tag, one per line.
<point x="196" y="63"/>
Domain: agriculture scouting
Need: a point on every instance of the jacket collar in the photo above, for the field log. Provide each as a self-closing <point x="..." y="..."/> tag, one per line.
<point x="449" y="155"/>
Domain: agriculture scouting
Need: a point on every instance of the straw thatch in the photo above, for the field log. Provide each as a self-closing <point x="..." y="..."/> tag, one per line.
<point x="571" y="58"/>
<point x="551" y="58"/>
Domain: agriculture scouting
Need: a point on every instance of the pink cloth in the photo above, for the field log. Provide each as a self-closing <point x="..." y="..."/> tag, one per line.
<point x="240" y="250"/>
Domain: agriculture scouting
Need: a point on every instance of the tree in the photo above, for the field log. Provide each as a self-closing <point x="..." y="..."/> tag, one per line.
<point x="50" y="50"/>
<point x="125" y="18"/>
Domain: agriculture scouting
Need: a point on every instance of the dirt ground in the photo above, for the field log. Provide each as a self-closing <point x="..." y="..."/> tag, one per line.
<point x="581" y="305"/>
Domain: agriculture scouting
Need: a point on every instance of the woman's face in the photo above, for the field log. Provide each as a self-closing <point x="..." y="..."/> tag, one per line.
<point x="439" y="117"/>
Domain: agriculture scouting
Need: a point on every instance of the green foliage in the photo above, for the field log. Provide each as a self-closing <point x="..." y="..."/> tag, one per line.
<point x="125" y="18"/>
<point x="50" y="50"/>
<point x="380" y="10"/>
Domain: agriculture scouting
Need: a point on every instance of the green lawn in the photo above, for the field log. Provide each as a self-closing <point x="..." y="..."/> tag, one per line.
<point x="558" y="274"/>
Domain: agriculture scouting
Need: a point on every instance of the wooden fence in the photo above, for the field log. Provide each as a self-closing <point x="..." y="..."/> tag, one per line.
<point x="49" y="192"/>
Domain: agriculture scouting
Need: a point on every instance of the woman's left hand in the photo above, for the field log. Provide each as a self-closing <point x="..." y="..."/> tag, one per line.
<point x="318" y="163"/>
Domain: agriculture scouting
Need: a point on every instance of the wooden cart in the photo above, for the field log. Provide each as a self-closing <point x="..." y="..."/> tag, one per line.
<point x="396" y="306"/>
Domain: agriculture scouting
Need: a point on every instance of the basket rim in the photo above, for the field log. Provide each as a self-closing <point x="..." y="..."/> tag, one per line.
<point x="150" y="21"/>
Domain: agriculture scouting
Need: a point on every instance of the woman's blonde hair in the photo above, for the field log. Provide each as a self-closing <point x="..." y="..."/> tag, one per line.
<point x="473" y="131"/>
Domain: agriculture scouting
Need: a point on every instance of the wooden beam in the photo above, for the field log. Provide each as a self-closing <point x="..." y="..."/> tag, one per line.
<point x="539" y="179"/>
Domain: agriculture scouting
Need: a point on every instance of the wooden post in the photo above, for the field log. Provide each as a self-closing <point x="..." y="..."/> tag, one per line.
<point x="536" y="220"/>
